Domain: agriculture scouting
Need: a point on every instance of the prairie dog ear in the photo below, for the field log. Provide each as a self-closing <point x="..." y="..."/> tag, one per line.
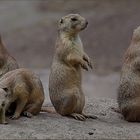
<point x="60" y="24"/>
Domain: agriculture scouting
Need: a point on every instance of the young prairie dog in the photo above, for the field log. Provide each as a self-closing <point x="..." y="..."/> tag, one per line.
<point x="20" y="90"/>
<point x="65" y="89"/>
<point x="129" y="88"/>
<point x="7" y="62"/>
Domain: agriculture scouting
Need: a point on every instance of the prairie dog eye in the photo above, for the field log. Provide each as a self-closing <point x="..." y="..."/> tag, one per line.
<point x="74" y="19"/>
<point x="5" y="89"/>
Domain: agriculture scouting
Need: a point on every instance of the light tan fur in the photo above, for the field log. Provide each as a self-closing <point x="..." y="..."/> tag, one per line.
<point x="129" y="88"/>
<point x="7" y="62"/>
<point x="20" y="90"/>
<point x="65" y="89"/>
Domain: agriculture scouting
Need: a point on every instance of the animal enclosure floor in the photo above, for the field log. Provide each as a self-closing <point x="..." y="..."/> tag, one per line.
<point x="98" y="90"/>
<point x="109" y="125"/>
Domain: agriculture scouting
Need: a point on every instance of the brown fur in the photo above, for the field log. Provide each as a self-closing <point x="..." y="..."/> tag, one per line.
<point x="129" y="89"/>
<point x="65" y="88"/>
<point x="22" y="88"/>
<point x="7" y="62"/>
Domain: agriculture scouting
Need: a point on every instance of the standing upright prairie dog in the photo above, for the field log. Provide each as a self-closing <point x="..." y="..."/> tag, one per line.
<point x="7" y="62"/>
<point x="21" y="92"/>
<point x="129" y="88"/>
<point x="65" y="77"/>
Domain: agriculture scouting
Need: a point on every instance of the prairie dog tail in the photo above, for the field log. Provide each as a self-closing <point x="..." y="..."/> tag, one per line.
<point x="48" y="109"/>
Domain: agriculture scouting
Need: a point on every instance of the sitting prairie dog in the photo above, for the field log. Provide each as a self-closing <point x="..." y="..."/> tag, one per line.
<point x="7" y="62"/>
<point x="65" y="77"/>
<point x="22" y="88"/>
<point x="129" y="88"/>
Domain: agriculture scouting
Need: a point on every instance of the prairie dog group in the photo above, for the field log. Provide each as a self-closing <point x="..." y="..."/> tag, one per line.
<point x="21" y="91"/>
<point x="129" y="88"/>
<point x="65" y="78"/>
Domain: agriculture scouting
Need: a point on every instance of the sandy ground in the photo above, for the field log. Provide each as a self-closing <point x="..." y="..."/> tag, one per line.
<point x="109" y="125"/>
<point x="53" y="126"/>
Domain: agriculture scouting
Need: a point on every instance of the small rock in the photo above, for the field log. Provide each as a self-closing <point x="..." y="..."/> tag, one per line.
<point x="103" y="113"/>
<point x="90" y="133"/>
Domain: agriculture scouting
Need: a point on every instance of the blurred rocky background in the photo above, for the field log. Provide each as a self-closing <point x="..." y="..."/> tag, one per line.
<point x="29" y="30"/>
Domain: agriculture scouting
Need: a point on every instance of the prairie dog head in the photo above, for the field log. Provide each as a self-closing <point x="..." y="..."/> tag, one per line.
<point x="4" y="97"/>
<point x="72" y="23"/>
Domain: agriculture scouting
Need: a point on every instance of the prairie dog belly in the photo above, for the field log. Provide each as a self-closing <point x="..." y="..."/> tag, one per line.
<point x="64" y="77"/>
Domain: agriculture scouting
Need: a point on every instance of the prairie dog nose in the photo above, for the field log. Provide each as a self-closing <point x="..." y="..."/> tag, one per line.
<point x="86" y="22"/>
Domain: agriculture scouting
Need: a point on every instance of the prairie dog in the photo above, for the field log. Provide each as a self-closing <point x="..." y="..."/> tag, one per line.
<point x="129" y="88"/>
<point x="22" y="88"/>
<point x="65" y="77"/>
<point x="7" y="62"/>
